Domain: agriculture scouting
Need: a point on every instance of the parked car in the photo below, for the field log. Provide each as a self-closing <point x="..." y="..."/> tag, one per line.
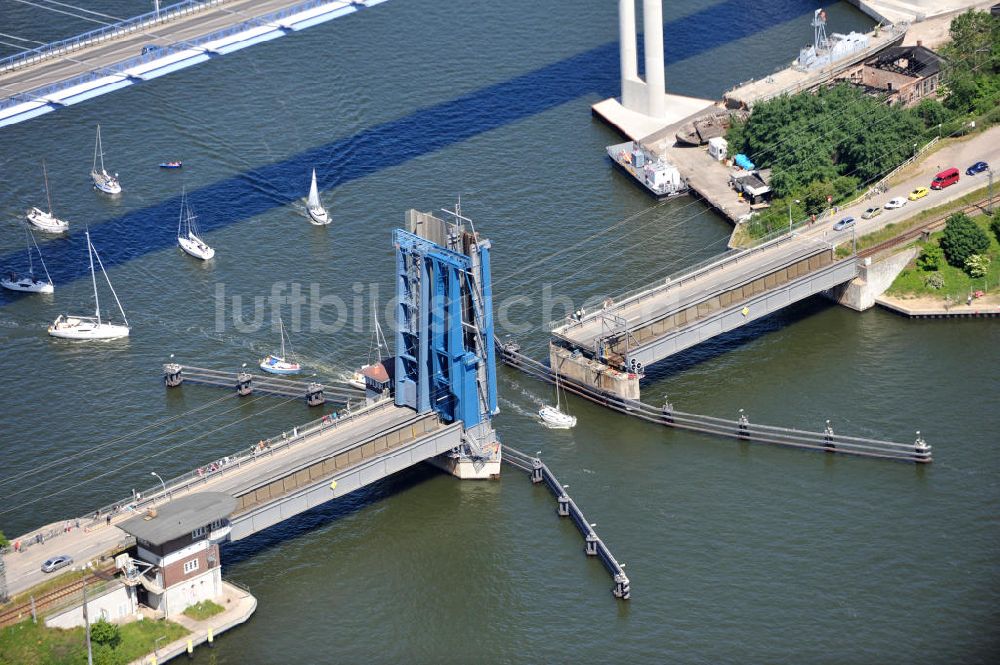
<point x="918" y="193"/>
<point x="978" y="167"/>
<point x="872" y="212"/>
<point x="56" y="562"/>
<point x="944" y="179"/>
<point x="897" y="202"/>
<point x="845" y="223"/>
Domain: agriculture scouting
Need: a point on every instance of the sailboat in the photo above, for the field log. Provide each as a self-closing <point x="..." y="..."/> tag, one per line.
<point x="318" y="215"/>
<point x="103" y="180"/>
<point x="357" y="379"/>
<point x="91" y="327"/>
<point x="29" y="283"/>
<point x="187" y="234"/>
<point x="280" y="364"/>
<point x="553" y="417"/>
<point x="46" y="221"/>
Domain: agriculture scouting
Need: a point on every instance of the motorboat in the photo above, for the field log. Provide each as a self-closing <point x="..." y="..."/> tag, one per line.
<point x="280" y="364"/>
<point x="171" y="165"/>
<point x="103" y="181"/>
<point x="46" y="221"/>
<point x="318" y="216"/>
<point x="76" y="327"/>
<point x="188" y="237"/>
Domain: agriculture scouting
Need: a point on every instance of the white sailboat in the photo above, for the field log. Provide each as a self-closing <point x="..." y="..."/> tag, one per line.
<point x="29" y="283"/>
<point x="378" y="342"/>
<point x="68" y="326"/>
<point x="46" y="221"/>
<point x="187" y="234"/>
<point x="553" y="417"/>
<point x="103" y="180"/>
<point x="318" y="215"/>
<point x="280" y="364"/>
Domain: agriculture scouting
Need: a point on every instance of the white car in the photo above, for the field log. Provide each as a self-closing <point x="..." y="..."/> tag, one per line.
<point x="897" y="202"/>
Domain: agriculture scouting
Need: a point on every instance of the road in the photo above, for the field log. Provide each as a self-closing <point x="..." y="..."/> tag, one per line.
<point x="961" y="154"/>
<point x="103" y="55"/>
<point x="92" y="538"/>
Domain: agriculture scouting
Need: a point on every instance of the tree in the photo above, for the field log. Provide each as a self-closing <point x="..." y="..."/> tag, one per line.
<point x="995" y="226"/>
<point x="962" y="238"/>
<point x="931" y="258"/>
<point x="977" y="265"/>
<point x="103" y="632"/>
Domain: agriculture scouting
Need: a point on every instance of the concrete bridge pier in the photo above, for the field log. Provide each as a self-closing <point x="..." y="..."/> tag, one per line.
<point x="593" y="373"/>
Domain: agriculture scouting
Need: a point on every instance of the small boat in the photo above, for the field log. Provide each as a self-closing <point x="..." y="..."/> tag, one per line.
<point x="103" y="180"/>
<point x="29" y="283"/>
<point x="318" y="215"/>
<point x="280" y="364"/>
<point x="46" y="221"/>
<point x="187" y="234"/>
<point x="68" y="326"/>
<point x="171" y="165"/>
<point x="553" y="417"/>
<point x="357" y="379"/>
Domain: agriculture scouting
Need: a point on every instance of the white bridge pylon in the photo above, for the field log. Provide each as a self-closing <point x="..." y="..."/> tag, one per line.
<point x="648" y="97"/>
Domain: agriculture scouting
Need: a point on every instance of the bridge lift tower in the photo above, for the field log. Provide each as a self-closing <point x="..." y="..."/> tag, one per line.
<point x="444" y="353"/>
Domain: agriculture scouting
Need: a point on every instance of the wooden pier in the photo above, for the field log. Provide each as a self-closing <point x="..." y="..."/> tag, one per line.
<point x="742" y="429"/>
<point x="594" y="546"/>
<point x="246" y="383"/>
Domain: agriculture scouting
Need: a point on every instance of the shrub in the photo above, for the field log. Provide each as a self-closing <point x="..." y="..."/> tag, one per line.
<point x="962" y="238"/>
<point x="931" y="258"/>
<point x="995" y="226"/>
<point x="977" y="265"/>
<point x="934" y="281"/>
<point x="103" y="632"/>
<point x="3" y="540"/>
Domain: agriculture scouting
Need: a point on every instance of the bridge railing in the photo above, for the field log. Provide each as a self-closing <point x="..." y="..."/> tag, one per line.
<point x="105" y="33"/>
<point x="676" y="278"/>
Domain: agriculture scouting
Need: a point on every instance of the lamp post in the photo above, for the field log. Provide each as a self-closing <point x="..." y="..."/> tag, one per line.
<point x="989" y="192"/>
<point x="162" y="484"/>
<point x="790" y="214"/>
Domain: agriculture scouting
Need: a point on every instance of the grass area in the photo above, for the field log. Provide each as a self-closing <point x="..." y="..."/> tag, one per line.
<point x="957" y="284"/>
<point x="27" y="642"/>
<point x="203" y="610"/>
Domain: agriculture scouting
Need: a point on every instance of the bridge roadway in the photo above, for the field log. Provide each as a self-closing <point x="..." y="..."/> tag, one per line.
<point x="100" y="56"/>
<point x="359" y="449"/>
<point x="630" y="327"/>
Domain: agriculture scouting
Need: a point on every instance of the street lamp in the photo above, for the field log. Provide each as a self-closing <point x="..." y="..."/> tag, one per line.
<point x="163" y="484"/>
<point x="790" y="214"/>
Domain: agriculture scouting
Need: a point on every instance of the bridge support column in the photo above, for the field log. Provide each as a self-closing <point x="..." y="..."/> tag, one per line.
<point x="314" y="395"/>
<point x="244" y="384"/>
<point x="563" y="509"/>
<point x="593" y="374"/>
<point x="172" y="376"/>
<point x="591" y="545"/>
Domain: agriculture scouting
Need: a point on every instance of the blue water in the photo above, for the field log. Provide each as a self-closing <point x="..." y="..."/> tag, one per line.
<point x="736" y="553"/>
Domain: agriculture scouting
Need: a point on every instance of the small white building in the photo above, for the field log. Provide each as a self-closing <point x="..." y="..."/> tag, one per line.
<point x="717" y="148"/>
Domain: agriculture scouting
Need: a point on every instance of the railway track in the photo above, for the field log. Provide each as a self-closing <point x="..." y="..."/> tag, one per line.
<point x="927" y="227"/>
<point x="46" y="600"/>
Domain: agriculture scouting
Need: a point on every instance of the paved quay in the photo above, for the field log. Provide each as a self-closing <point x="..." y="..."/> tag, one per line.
<point x="924" y="307"/>
<point x="239" y="606"/>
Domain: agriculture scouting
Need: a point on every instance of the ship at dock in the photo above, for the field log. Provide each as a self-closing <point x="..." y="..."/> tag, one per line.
<point x="660" y="178"/>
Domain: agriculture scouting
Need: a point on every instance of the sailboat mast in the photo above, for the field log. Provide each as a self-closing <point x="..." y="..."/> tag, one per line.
<point x="281" y="331"/>
<point x="121" y="310"/>
<point x="48" y="196"/>
<point x="97" y="145"/>
<point x="180" y="215"/>
<point x="41" y="259"/>
<point x="28" y="240"/>
<point x="93" y="277"/>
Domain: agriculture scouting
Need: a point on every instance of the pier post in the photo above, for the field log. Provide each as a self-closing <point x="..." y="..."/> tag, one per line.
<point x="668" y="411"/>
<point x="536" y="470"/>
<point x="314" y="395"/>
<point x="172" y="376"/>
<point x="563" y="508"/>
<point x="591" y="546"/>
<point x="744" y="426"/>
<point x="622" y="587"/>
<point x="921" y="451"/>
<point x="828" y="437"/>
<point x="244" y="384"/>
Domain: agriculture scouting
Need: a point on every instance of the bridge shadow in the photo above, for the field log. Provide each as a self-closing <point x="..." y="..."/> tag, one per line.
<point x="422" y="132"/>
<point x="734" y="339"/>
<point x="321" y="516"/>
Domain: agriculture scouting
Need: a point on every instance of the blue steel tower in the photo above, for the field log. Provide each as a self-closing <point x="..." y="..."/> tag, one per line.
<point x="444" y="352"/>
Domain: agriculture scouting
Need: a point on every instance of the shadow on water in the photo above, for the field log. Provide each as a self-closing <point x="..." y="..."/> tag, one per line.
<point x="322" y="515"/>
<point x="734" y="339"/>
<point x="424" y="131"/>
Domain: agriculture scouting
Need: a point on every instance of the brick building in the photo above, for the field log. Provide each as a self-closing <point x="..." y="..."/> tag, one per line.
<point x="905" y="74"/>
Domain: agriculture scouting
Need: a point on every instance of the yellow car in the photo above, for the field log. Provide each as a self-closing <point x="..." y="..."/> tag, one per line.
<point x="918" y="193"/>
